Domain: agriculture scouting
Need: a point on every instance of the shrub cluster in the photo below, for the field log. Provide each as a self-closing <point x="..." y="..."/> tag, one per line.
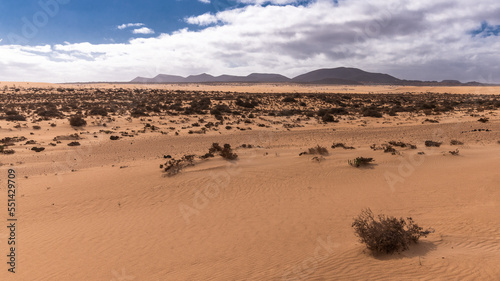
<point x="386" y="234"/>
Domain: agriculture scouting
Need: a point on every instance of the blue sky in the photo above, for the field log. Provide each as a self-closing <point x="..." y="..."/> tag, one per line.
<point x="80" y="40"/>
<point x="95" y="21"/>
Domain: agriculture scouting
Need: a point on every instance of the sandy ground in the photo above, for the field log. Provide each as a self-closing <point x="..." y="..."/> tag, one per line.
<point x="278" y="88"/>
<point x="103" y="210"/>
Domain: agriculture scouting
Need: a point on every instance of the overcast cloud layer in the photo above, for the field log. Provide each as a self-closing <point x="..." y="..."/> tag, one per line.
<point x="418" y="39"/>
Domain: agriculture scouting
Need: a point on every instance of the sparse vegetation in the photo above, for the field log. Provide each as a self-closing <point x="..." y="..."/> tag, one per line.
<point x="318" y="150"/>
<point x="483" y="120"/>
<point x="456" y="142"/>
<point x="430" y="143"/>
<point x="387" y="234"/>
<point x="77" y="121"/>
<point x="335" y="145"/>
<point x="360" y="161"/>
<point x="174" y="166"/>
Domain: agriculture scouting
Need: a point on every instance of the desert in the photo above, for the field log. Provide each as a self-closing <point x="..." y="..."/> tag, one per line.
<point x="131" y="186"/>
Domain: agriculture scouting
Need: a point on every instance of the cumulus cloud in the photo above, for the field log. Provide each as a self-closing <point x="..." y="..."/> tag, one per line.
<point x="126" y="25"/>
<point x="425" y="39"/>
<point x="205" y="1"/>
<point x="143" y="30"/>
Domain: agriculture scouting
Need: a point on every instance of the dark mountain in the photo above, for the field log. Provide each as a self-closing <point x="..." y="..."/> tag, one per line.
<point x="327" y="76"/>
<point x="202" y="78"/>
<point x="207" y="78"/>
<point x="350" y="74"/>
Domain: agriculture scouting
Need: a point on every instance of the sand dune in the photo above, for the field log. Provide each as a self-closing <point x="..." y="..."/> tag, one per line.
<point x="103" y="210"/>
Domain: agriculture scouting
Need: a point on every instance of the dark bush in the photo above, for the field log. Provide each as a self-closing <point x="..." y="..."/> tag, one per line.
<point x="372" y="112"/>
<point x="328" y="118"/>
<point x="335" y="145"/>
<point x="77" y="121"/>
<point x="360" y="161"/>
<point x="386" y="234"/>
<point x="15" y="118"/>
<point x="98" y="111"/>
<point x="289" y="99"/>
<point x="227" y="153"/>
<point x="318" y="150"/>
<point x="429" y="143"/>
<point x="456" y="142"/>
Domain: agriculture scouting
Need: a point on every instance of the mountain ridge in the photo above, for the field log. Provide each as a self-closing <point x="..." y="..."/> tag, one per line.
<point x="328" y="76"/>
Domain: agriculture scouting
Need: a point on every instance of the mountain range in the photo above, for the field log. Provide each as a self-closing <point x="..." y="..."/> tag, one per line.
<point x="330" y="76"/>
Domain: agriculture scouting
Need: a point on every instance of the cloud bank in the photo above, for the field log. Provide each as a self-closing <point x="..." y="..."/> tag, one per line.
<point x="424" y="39"/>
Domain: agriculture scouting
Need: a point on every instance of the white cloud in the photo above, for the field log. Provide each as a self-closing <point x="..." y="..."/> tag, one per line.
<point x="205" y="1"/>
<point x="205" y="19"/>
<point x="143" y="30"/>
<point x="426" y="39"/>
<point x="127" y="25"/>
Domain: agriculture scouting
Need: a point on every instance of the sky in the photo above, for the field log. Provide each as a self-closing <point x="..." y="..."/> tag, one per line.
<point x="118" y="40"/>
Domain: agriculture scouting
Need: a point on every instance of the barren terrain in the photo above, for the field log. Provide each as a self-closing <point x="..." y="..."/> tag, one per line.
<point x="103" y="208"/>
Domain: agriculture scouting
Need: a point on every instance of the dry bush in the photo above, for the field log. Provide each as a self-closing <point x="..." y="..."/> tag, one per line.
<point x="339" y="144"/>
<point x="16" y="117"/>
<point x="174" y="166"/>
<point x="5" y="151"/>
<point x="360" y="161"/>
<point x="456" y="142"/>
<point x="227" y="153"/>
<point x="402" y="144"/>
<point x="387" y="234"/>
<point x="372" y="112"/>
<point x="430" y="143"/>
<point x="77" y="121"/>
<point x="483" y="120"/>
<point x="454" y="152"/>
<point x="318" y="150"/>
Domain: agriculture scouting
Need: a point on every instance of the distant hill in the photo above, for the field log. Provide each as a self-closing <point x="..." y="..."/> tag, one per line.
<point x="207" y="78"/>
<point x="328" y="76"/>
<point x="348" y="74"/>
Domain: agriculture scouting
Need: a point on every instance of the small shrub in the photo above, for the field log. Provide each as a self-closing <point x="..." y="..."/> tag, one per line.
<point x="389" y="149"/>
<point x="371" y="112"/>
<point x="454" y="152"/>
<point x="227" y="153"/>
<point x="456" y="142"/>
<point x="74" y="143"/>
<point x="77" y="121"/>
<point x="328" y="118"/>
<point x="174" y="166"/>
<point x="360" y="161"/>
<point x="335" y="145"/>
<point x="430" y="143"/>
<point x="36" y="127"/>
<point x="483" y="120"/>
<point x="15" y="118"/>
<point x="318" y="150"/>
<point x="38" y="149"/>
<point x="387" y="234"/>
<point x="289" y="99"/>
<point x="402" y="144"/>
<point x="431" y="121"/>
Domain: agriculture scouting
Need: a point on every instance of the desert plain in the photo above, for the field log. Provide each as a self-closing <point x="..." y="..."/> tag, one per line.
<point x="98" y="202"/>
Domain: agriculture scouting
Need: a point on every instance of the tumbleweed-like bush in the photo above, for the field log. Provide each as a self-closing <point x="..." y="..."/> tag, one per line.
<point x="386" y="234"/>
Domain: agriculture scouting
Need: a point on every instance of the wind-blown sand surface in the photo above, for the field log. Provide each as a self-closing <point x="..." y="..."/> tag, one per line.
<point x="103" y="210"/>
